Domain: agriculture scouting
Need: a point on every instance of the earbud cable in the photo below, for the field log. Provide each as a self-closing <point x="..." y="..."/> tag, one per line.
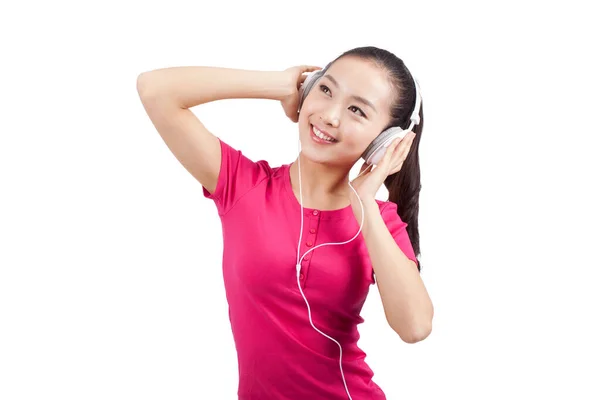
<point x="299" y="259"/>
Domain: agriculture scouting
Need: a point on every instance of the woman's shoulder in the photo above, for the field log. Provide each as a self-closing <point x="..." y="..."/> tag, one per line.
<point x="389" y="211"/>
<point x="386" y="205"/>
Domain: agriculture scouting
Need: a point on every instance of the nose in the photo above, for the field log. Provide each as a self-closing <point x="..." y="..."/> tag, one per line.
<point x="330" y="116"/>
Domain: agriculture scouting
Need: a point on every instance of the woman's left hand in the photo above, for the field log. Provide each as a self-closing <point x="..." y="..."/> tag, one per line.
<point x="367" y="184"/>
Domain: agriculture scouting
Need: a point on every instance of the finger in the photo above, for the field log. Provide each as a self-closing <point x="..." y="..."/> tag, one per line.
<point x="407" y="146"/>
<point x="400" y="148"/>
<point x="387" y="157"/>
<point x="395" y="146"/>
<point x="404" y="144"/>
<point x="401" y="153"/>
<point x="396" y="157"/>
<point x="305" y="69"/>
<point x="303" y="77"/>
<point x="310" y="68"/>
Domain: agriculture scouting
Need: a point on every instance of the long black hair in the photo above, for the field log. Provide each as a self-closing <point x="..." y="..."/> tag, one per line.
<point x="405" y="185"/>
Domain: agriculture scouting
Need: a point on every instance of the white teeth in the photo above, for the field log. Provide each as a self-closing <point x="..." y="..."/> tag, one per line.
<point x="321" y="135"/>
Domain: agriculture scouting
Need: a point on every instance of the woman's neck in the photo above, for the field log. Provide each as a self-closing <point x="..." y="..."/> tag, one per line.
<point x="323" y="187"/>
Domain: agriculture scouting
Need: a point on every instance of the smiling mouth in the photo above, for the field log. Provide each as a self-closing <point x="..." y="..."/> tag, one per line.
<point x="320" y="136"/>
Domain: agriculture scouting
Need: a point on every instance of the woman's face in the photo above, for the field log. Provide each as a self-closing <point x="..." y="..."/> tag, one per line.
<point x="350" y="103"/>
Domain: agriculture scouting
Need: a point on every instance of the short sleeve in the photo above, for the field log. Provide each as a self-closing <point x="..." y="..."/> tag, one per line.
<point x="238" y="175"/>
<point x="397" y="228"/>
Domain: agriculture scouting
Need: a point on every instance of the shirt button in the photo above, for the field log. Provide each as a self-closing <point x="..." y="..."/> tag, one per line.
<point x="309" y="244"/>
<point x="315" y="212"/>
<point x="301" y="276"/>
<point x="313" y="230"/>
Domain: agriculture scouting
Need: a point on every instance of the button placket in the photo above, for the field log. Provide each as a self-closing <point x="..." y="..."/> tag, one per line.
<point x="309" y="243"/>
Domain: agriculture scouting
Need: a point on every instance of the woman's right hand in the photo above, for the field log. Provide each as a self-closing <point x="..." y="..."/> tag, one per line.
<point x="295" y="77"/>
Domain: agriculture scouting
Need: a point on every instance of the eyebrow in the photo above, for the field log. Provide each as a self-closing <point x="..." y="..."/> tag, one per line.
<point x="355" y="97"/>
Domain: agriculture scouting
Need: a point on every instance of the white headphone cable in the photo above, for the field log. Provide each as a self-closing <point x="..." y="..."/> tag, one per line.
<point x="299" y="259"/>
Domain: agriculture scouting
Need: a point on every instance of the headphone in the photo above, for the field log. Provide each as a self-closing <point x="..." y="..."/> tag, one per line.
<point x="376" y="150"/>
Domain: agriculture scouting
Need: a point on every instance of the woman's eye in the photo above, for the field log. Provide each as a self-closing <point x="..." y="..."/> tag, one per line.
<point x="326" y="90"/>
<point x="362" y="114"/>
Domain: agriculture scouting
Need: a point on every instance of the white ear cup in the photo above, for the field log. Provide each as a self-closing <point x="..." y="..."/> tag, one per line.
<point x="308" y="83"/>
<point x="379" y="146"/>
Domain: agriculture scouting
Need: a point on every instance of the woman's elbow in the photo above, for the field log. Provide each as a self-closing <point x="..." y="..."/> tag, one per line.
<point x="417" y="334"/>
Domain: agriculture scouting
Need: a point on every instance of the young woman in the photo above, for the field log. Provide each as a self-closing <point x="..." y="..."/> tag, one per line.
<point x="294" y="302"/>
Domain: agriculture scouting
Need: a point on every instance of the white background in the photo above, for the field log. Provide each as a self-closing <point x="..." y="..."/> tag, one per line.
<point x="110" y="274"/>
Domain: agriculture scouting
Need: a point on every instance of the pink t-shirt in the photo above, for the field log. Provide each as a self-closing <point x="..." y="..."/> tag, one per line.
<point x="280" y="355"/>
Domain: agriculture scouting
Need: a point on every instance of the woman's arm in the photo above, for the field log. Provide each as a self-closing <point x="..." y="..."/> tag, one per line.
<point x="188" y="87"/>
<point x="168" y="93"/>
<point x="406" y="303"/>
